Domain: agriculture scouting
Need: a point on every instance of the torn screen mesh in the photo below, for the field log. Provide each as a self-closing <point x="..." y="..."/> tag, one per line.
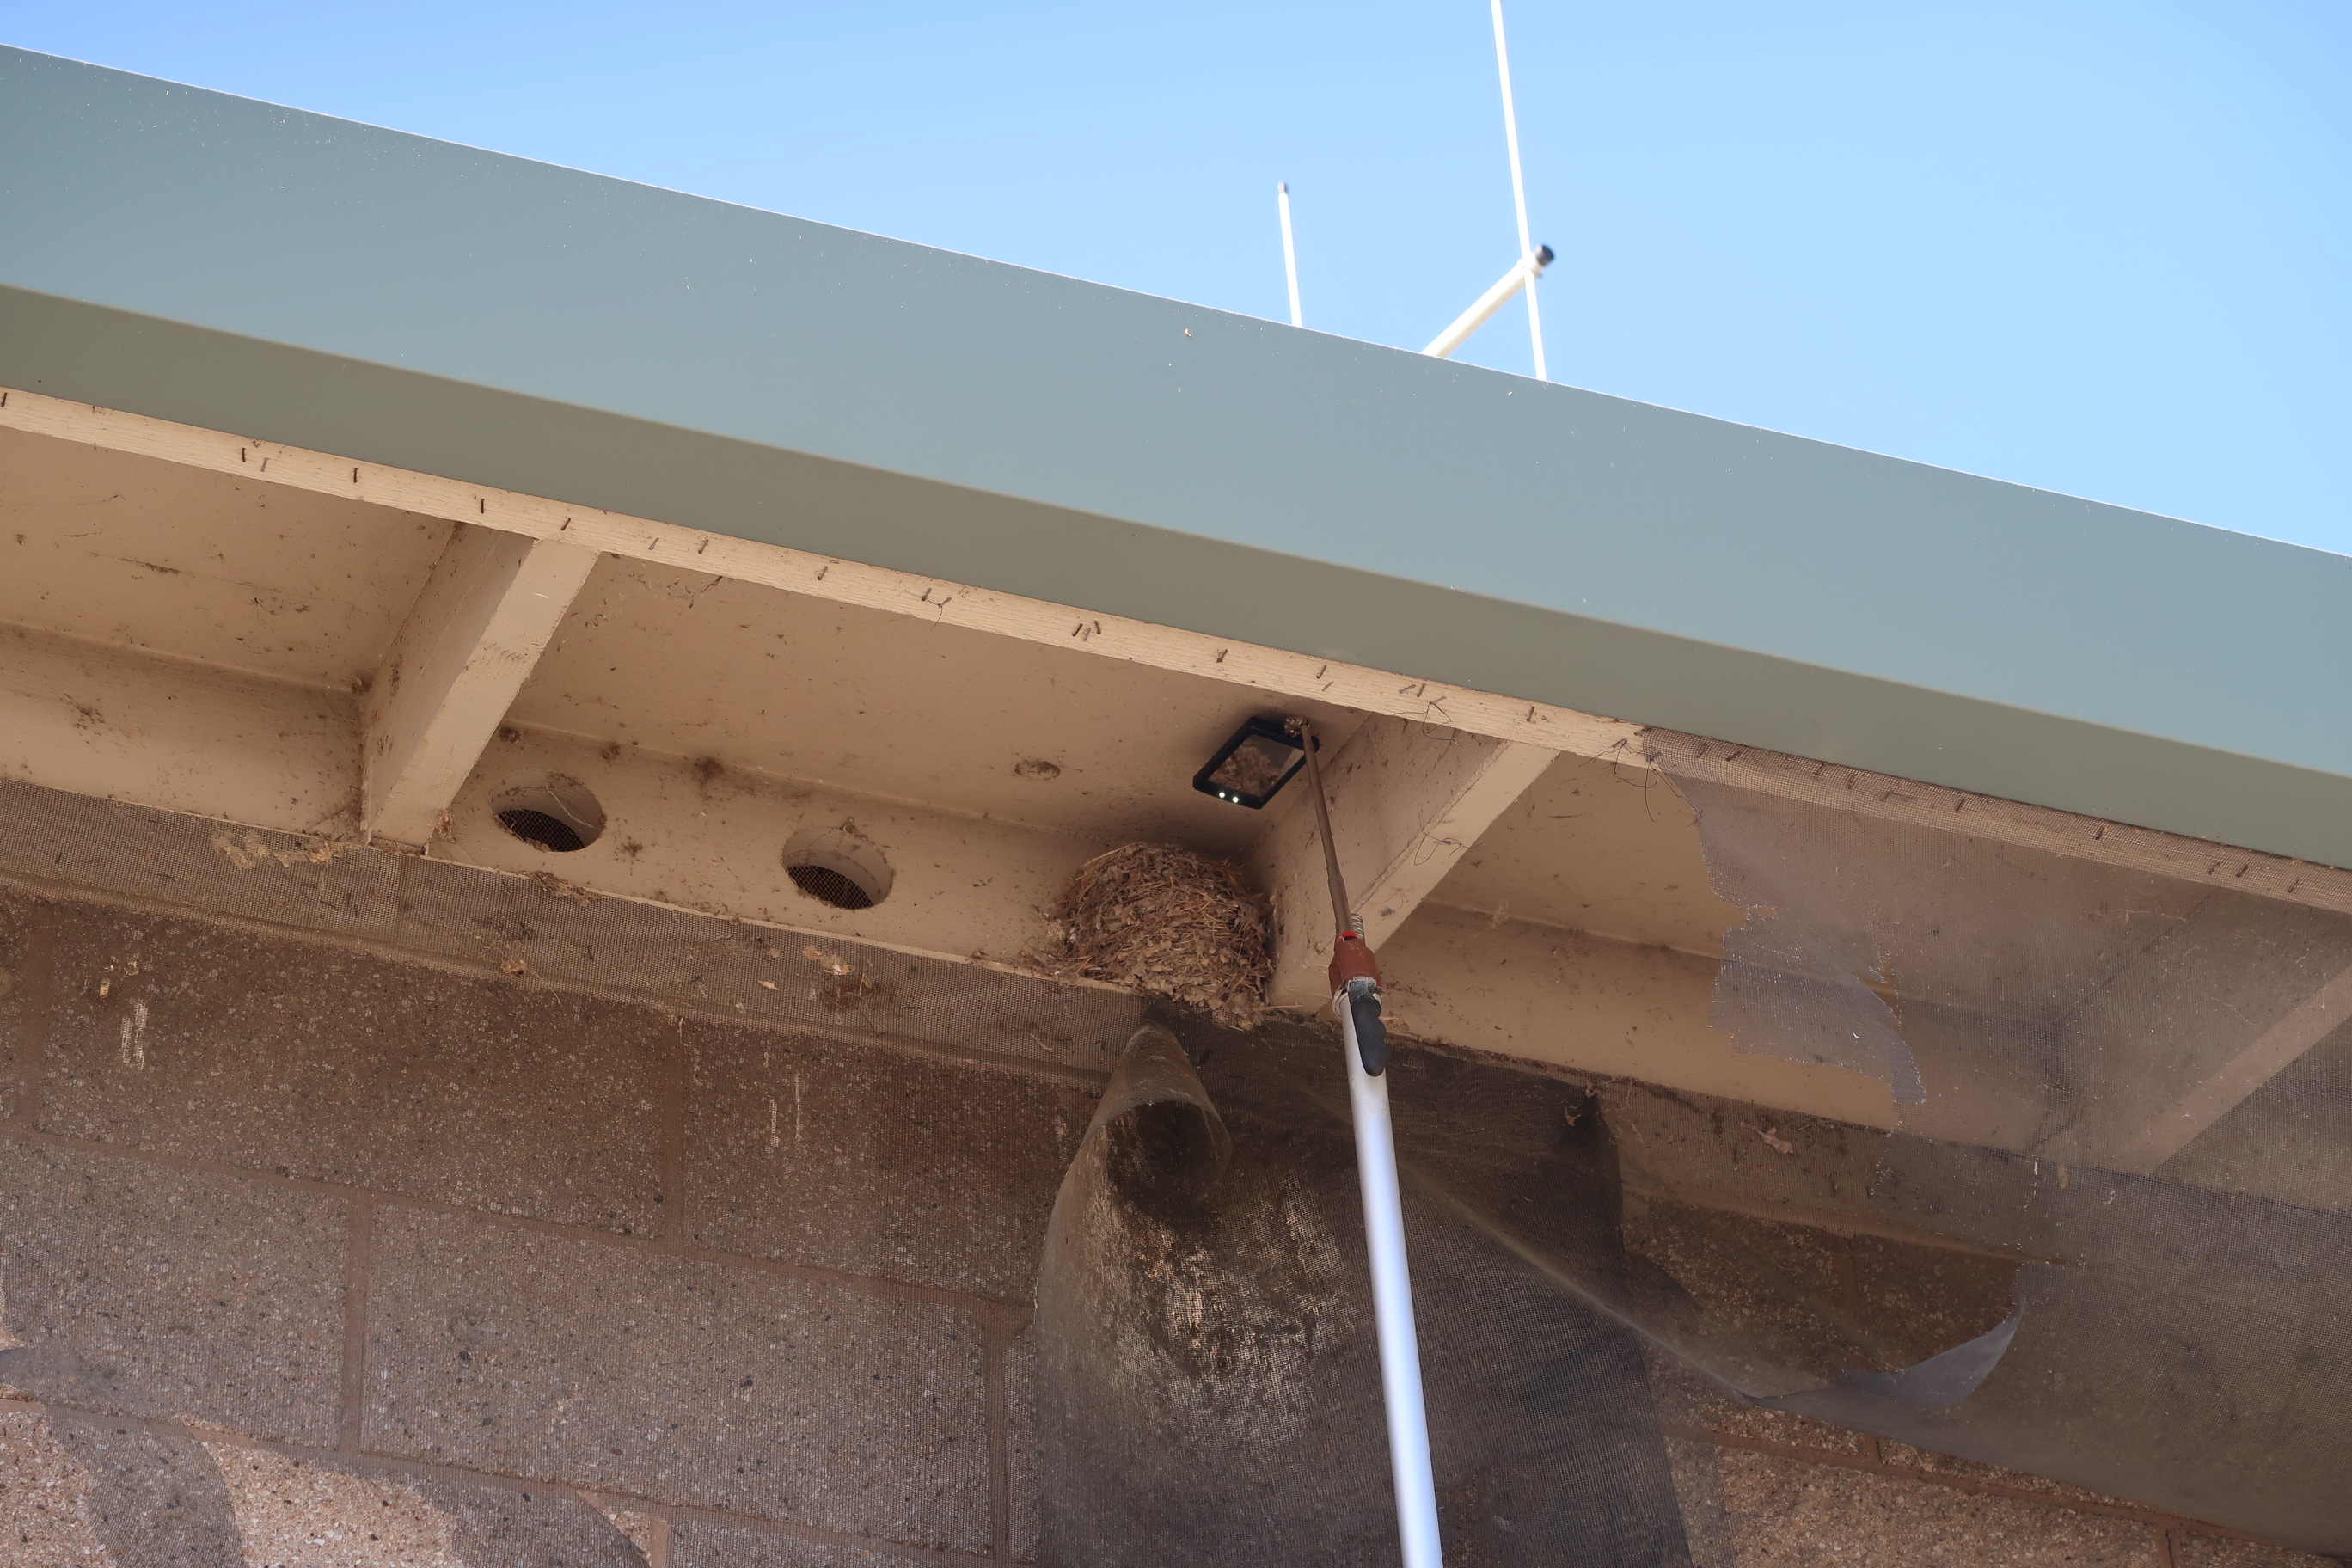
<point x="2099" y="1234"/>
<point x="2125" y="1092"/>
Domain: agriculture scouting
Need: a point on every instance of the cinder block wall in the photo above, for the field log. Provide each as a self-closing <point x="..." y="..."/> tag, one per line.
<point x="356" y="1210"/>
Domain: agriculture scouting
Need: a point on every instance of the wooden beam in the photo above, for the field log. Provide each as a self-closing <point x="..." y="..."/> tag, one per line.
<point x="1407" y="800"/>
<point x="2193" y="1025"/>
<point x="487" y="612"/>
<point x="2233" y="1079"/>
<point x="116" y="723"/>
<point x="2003" y="821"/>
<point x="1271" y="670"/>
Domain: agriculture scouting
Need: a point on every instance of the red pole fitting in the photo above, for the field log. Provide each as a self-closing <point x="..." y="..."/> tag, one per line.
<point x="1351" y="957"/>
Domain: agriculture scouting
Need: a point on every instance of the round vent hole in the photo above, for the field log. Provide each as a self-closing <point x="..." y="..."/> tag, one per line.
<point x="538" y="827"/>
<point x="824" y="883"/>
<point x="838" y="865"/>
<point x="550" y="812"/>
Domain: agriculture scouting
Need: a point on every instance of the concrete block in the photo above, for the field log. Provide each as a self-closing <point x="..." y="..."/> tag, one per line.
<point x="1947" y="1465"/>
<point x="281" y="1055"/>
<point x="46" y="1514"/>
<point x="628" y="1370"/>
<point x="1021" y="1424"/>
<point x="20" y="976"/>
<point x="1788" y="1514"/>
<point x="147" y="1292"/>
<point x="702" y="1544"/>
<point x="2190" y="1550"/>
<point x="335" y="1515"/>
<point x="151" y="1499"/>
<point x="874" y="1161"/>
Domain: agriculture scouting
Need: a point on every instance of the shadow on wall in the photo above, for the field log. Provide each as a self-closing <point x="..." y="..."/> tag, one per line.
<point x="139" y="1497"/>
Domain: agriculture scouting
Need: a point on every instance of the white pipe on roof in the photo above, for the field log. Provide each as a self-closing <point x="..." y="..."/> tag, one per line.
<point x="1525" y="271"/>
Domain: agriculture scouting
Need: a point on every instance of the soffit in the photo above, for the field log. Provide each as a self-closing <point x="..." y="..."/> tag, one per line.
<point x="896" y="706"/>
<point x="245" y="574"/>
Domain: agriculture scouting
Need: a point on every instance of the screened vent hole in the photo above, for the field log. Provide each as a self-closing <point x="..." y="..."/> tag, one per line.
<point x="550" y="812"/>
<point x="538" y="827"/>
<point x="829" y="886"/>
<point x="838" y="865"/>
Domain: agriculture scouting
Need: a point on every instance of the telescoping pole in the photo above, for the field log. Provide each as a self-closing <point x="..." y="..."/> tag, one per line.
<point x="1356" y="998"/>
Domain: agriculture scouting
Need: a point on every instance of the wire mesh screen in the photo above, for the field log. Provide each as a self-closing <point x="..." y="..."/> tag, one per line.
<point x="2125" y="1094"/>
<point x="2100" y="1235"/>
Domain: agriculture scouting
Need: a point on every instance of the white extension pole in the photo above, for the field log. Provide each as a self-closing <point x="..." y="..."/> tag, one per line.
<point x="1518" y="188"/>
<point x="1289" y="252"/>
<point x="1416" y="1490"/>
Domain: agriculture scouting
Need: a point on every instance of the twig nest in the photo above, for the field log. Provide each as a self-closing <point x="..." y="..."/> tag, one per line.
<point x="1168" y="923"/>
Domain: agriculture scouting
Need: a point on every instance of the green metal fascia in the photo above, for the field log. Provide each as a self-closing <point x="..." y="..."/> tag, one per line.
<point x="243" y="266"/>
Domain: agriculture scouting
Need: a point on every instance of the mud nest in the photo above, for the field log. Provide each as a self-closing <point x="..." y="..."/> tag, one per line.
<point x="1168" y="922"/>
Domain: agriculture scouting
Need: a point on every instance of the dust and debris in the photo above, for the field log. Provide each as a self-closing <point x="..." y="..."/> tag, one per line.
<point x="134" y="1037"/>
<point x="124" y="967"/>
<point x="853" y="992"/>
<point x="851" y="986"/>
<point x="514" y="967"/>
<point x="253" y="852"/>
<point x="1778" y="1142"/>
<point x="563" y="890"/>
<point x="767" y="985"/>
<point x="1170" y="923"/>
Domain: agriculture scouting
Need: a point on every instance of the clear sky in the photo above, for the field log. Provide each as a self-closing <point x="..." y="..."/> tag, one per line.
<point x="2099" y="248"/>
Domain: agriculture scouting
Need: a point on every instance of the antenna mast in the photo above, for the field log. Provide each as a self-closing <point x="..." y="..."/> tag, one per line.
<point x="1519" y="196"/>
<point x="1533" y="258"/>
<point x="1290" y="252"/>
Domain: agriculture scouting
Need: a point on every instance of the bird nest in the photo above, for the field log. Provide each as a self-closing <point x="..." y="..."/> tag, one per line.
<point x="1170" y="923"/>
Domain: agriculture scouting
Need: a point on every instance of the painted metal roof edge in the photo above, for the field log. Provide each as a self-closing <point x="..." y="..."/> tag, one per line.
<point x="1064" y="441"/>
<point x="172" y="371"/>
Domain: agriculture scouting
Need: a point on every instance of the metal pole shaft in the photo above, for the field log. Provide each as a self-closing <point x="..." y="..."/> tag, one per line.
<point x="1289" y="253"/>
<point x="1343" y="917"/>
<point x="1368" y="1100"/>
<point x="1519" y="187"/>
<point x="1416" y="1488"/>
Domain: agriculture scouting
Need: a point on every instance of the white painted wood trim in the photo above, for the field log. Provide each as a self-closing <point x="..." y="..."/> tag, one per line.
<point x="2001" y="821"/>
<point x="1407" y="802"/>
<point x="1271" y="670"/>
<point x="487" y="612"/>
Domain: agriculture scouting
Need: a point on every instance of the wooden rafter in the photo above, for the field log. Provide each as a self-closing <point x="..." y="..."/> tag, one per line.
<point x="489" y="609"/>
<point x="1407" y="801"/>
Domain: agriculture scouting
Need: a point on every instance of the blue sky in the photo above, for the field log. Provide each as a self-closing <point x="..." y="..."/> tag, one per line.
<point x="2097" y="248"/>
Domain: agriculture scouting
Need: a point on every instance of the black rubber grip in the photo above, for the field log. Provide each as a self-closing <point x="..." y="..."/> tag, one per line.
<point x="1371" y="1035"/>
